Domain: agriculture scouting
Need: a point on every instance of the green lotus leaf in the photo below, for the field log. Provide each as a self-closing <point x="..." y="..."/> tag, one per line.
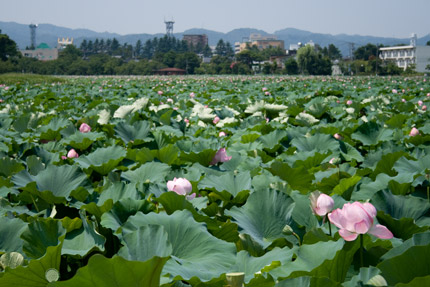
<point x="418" y="239"/>
<point x="52" y="130"/>
<point x="308" y="281"/>
<point x="40" y="234"/>
<point x="298" y="178"/>
<point x="203" y="157"/>
<point x="302" y="213"/>
<point x="122" y="210"/>
<point x="11" y="230"/>
<point x="195" y="252"/>
<point x="167" y="154"/>
<point x="155" y="172"/>
<point x="271" y="140"/>
<point x="34" y="165"/>
<point x="118" y="190"/>
<point x="33" y="275"/>
<point x="309" y="257"/>
<point x="317" y="142"/>
<point x="251" y="265"/>
<point x="102" y="160"/>
<point x="229" y="182"/>
<point x="336" y="268"/>
<point x="138" y="132"/>
<point x="83" y="240"/>
<point x="368" y="189"/>
<point x="305" y="119"/>
<point x="414" y="167"/>
<point x="10" y="166"/>
<point x="371" y="133"/>
<point x="105" y="272"/>
<point x="264" y="216"/>
<point x="407" y="266"/>
<point x="399" y="206"/>
<point x="366" y="276"/>
<point x="146" y="242"/>
<point x="55" y="183"/>
<point x="349" y="153"/>
<point x="82" y="141"/>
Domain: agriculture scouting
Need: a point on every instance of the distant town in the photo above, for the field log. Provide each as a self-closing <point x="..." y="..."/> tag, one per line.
<point x="256" y="53"/>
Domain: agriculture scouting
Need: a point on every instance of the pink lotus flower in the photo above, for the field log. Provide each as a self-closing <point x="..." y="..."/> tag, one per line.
<point x="414" y="132"/>
<point x="424" y="108"/>
<point x="220" y="156"/>
<point x="264" y="89"/>
<point x="192" y="95"/>
<point x="63" y="157"/>
<point x="267" y="93"/>
<point x="169" y="100"/>
<point x="222" y="134"/>
<point x="187" y="121"/>
<point x="321" y="203"/>
<point x="358" y="218"/>
<point x="72" y="154"/>
<point x="394" y="91"/>
<point x="181" y="186"/>
<point x="338" y="136"/>
<point x="84" y="128"/>
<point x="420" y="103"/>
<point x="216" y="120"/>
<point x="349" y="102"/>
<point x="160" y="92"/>
<point x="403" y="101"/>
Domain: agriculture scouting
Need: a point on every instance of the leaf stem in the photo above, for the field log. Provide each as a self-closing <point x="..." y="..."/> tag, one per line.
<point x="361" y="251"/>
<point x="34" y="202"/>
<point x="329" y="224"/>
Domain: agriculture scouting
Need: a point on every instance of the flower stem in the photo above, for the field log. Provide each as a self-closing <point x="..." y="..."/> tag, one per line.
<point x="329" y="224"/>
<point x="428" y="193"/>
<point x="361" y="251"/>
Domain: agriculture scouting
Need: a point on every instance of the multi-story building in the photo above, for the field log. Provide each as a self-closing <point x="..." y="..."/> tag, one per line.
<point x="405" y="56"/>
<point x="261" y="42"/>
<point x="196" y="40"/>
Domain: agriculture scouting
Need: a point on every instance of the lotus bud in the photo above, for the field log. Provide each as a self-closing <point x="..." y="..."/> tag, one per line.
<point x="72" y="154"/>
<point x="84" y="128"/>
<point x="287" y="230"/>
<point x="414" y="132"/>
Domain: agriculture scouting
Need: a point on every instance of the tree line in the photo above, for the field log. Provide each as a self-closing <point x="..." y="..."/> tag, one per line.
<point x="109" y="57"/>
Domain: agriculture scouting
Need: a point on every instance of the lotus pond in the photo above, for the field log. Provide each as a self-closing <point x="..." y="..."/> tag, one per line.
<point x="178" y="181"/>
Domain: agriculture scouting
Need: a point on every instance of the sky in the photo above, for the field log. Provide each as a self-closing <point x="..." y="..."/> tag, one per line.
<point x="385" y="18"/>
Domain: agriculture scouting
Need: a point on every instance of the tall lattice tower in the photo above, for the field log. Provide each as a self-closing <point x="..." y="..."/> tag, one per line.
<point x="33" y="35"/>
<point x="169" y="28"/>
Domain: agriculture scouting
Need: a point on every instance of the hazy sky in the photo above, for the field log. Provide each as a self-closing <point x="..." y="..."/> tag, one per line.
<point x="389" y="18"/>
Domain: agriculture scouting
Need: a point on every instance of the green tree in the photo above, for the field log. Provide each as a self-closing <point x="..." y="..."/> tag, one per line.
<point x="311" y="62"/>
<point x="220" y="48"/>
<point x="428" y="43"/>
<point x="291" y="66"/>
<point x="188" y="61"/>
<point x="8" y="48"/>
<point x="332" y="52"/>
<point x="365" y="52"/>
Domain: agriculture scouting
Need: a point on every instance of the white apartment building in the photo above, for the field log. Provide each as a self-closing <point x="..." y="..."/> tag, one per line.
<point x="404" y="56"/>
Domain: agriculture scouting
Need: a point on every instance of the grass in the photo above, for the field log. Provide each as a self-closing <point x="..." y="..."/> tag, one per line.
<point x="16" y="78"/>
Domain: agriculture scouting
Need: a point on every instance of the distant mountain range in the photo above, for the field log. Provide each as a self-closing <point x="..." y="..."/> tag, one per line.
<point x="49" y="34"/>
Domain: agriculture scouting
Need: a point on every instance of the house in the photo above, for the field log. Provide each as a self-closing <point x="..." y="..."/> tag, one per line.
<point x="261" y="42"/>
<point x="170" y="71"/>
<point x="42" y="52"/>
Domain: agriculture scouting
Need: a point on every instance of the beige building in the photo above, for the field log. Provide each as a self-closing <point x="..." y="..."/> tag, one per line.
<point x="261" y="42"/>
<point x="42" y="52"/>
